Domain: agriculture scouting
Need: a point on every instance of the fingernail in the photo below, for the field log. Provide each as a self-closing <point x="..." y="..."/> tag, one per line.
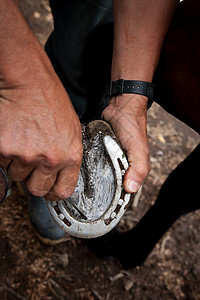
<point x="133" y="186"/>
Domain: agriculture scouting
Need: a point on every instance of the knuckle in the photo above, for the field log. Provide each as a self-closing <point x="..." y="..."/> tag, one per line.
<point x="76" y="156"/>
<point x="5" y="150"/>
<point x="77" y="159"/>
<point x="8" y="150"/>
<point x="63" y="191"/>
<point x="35" y="191"/>
<point x="60" y="193"/>
<point x="53" y="160"/>
<point x="15" y="177"/>
<point x="142" y="171"/>
<point x="26" y="159"/>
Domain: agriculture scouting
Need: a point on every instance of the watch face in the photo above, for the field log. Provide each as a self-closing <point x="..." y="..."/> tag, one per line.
<point x="3" y="185"/>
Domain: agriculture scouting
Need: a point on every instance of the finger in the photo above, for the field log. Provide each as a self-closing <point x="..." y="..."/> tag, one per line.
<point x="65" y="183"/>
<point x="4" y="162"/>
<point x="41" y="181"/>
<point x="18" y="171"/>
<point x="139" y="167"/>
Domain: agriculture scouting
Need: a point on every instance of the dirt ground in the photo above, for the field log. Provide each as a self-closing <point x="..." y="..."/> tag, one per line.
<point x="32" y="270"/>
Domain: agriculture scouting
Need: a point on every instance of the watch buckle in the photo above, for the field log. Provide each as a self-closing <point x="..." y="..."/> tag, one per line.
<point x="117" y="87"/>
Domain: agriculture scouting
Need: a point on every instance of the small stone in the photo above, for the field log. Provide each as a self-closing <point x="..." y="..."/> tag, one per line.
<point x="36" y="14"/>
<point x="153" y="159"/>
<point x="160" y="153"/>
<point x="64" y="259"/>
<point x="128" y="285"/>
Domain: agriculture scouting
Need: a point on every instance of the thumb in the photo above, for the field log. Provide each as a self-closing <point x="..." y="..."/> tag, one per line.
<point x="139" y="167"/>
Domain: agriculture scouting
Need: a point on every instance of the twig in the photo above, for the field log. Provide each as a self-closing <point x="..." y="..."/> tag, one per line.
<point x="60" y="289"/>
<point x="116" y="277"/>
<point x="60" y="274"/>
<point x="12" y="292"/>
<point x="108" y="296"/>
<point x="99" y="297"/>
<point x="129" y="218"/>
<point x="166" y="144"/>
<point x="162" y="247"/>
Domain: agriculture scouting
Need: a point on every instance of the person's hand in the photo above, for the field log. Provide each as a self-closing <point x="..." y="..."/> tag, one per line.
<point x="127" y="115"/>
<point x="40" y="133"/>
<point x="138" y="39"/>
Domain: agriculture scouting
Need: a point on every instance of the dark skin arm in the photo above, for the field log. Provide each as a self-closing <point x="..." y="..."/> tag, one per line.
<point x="140" y="27"/>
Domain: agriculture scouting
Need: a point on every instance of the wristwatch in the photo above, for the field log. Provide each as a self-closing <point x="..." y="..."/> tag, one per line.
<point x="122" y="86"/>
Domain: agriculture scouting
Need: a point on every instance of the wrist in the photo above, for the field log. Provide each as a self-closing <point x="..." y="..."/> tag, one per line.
<point x="130" y="101"/>
<point x="135" y="87"/>
<point x="127" y="107"/>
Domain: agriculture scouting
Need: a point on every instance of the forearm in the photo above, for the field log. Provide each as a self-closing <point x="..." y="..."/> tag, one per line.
<point x="140" y="27"/>
<point x="40" y="141"/>
<point x="20" y="52"/>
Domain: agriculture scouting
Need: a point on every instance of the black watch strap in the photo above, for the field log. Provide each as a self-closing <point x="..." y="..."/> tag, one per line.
<point x="122" y="86"/>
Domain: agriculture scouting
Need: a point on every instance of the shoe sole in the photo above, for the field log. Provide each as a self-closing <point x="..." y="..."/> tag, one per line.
<point x="43" y="239"/>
